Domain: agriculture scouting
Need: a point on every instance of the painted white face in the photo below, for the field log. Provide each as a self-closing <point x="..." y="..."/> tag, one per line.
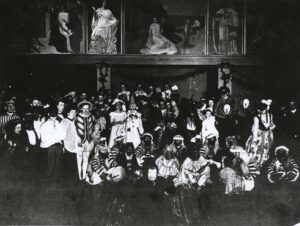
<point x="152" y="174"/>
<point x="246" y="103"/>
<point x="35" y="103"/>
<point x="227" y="109"/>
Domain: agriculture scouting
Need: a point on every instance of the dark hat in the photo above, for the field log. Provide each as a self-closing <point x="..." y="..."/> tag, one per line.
<point x="224" y="90"/>
<point x="70" y="107"/>
<point x="84" y="102"/>
<point x="262" y="106"/>
<point x="206" y="110"/>
<point x="11" y="101"/>
<point x="10" y="126"/>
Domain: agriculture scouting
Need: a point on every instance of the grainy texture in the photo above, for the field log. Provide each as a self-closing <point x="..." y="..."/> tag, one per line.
<point x="27" y="198"/>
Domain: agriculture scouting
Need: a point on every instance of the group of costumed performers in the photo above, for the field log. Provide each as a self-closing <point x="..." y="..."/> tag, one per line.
<point x="154" y="137"/>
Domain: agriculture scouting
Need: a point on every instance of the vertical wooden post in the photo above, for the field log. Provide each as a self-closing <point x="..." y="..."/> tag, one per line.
<point x="107" y="84"/>
<point x="122" y="27"/>
<point x="244" y="49"/>
<point x="206" y="28"/>
<point x="85" y="27"/>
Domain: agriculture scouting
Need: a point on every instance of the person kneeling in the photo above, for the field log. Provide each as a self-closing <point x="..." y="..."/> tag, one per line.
<point x="195" y="171"/>
<point x="103" y="167"/>
<point x="283" y="168"/>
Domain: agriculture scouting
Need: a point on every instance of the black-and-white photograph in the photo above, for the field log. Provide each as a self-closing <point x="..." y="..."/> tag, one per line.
<point x="150" y="112"/>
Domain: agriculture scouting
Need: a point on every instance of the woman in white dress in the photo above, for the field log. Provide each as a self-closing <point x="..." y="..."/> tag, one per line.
<point x="117" y="120"/>
<point x="157" y="43"/>
<point x="104" y="29"/>
<point x="208" y="125"/>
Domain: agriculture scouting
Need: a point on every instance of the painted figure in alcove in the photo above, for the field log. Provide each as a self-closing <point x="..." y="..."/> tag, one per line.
<point x="228" y="24"/>
<point x="63" y="22"/>
<point x="104" y="30"/>
<point x="157" y="43"/>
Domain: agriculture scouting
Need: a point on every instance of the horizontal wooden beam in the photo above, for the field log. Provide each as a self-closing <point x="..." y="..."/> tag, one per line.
<point x="37" y="59"/>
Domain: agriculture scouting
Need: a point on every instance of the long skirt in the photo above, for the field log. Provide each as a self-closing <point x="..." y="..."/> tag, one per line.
<point x="261" y="150"/>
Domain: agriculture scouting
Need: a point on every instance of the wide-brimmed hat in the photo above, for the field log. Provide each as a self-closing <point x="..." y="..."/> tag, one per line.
<point x="147" y="135"/>
<point x="178" y="137"/>
<point x="117" y="101"/>
<point x="84" y="102"/>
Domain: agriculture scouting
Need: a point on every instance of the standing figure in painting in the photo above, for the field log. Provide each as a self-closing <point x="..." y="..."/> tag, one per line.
<point x="228" y="24"/>
<point x="64" y="30"/>
<point x="104" y="29"/>
<point x="157" y="43"/>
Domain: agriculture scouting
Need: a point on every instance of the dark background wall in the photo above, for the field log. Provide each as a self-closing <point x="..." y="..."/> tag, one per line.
<point x="278" y="77"/>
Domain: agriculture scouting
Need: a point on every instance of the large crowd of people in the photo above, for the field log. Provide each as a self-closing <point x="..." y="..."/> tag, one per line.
<point x="155" y="136"/>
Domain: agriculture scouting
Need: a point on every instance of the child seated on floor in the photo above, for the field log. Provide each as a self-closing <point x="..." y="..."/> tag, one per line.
<point x="103" y="167"/>
<point x="283" y="168"/>
<point x="195" y="171"/>
<point x="234" y="182"/>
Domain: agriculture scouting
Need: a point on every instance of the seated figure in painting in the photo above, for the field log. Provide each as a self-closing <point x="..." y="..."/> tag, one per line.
<point x="157" y="43"/>
<point x="104" y="29"/>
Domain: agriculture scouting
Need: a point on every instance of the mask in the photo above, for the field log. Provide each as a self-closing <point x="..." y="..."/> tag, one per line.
<point x="227" y="109"/>
<point x="246" y="103"/>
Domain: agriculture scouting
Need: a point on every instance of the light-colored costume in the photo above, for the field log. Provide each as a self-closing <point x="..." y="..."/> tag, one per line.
<point x="71" y="139"/>
<point x="118" y="129"/>
<point x="157" y="43"/>
<point x="167" y="168"/>
<point x="104" y="29"/>
<point x="192" y="172"/>
<point x="261" y="140"/>
<point x="209" y="128"/>
<point x="134" y="128"/>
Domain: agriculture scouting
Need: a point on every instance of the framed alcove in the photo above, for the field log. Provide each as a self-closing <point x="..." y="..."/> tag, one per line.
<point x="192" y="28"/>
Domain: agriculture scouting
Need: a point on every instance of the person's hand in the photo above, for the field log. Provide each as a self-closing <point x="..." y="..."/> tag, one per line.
<point x="218" y="165"/>
<point x="269" y="176"/>
<point x="93" y="8"/>
<point x="10" y="143"/>
<point x="26" y="149"/>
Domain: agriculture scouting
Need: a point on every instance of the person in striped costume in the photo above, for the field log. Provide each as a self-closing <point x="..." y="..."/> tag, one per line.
<point x="283" y="168"/>
<point x="146" y="152"/>
<point x="84" y="123"/>
<point x="104" y="167"/>
<point x="10" y="114"/>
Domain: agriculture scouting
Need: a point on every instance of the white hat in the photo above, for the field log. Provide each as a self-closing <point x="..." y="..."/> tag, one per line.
<point x="282" y="148"/>
<point x="173" y="125"/>
<point x="117" y="101"/>
<point x="102" y="138"/>
<point x="193" y="140"/>
<point x="148" y="134"/>
<point x="174" y="88"/>
<point x="178" y="137"/>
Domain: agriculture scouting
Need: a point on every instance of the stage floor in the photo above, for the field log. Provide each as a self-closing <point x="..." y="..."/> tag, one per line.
<point x="27" y="198"/>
